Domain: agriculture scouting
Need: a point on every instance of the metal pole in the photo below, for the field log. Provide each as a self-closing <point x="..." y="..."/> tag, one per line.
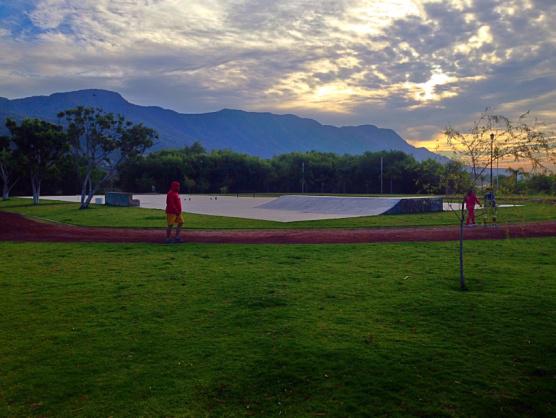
<point x="491" y="156"/>
<point x="381" y="166"/>
<point x="461" y="274"/>
<point x="497" y="171"/>
<point x="303" y="177"/>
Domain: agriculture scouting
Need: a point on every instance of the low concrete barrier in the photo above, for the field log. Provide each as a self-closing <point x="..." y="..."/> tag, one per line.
<point x="417" y="205"/>
<point x="120" y="199"/>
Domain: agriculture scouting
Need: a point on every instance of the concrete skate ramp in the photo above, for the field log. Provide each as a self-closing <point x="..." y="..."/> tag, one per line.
<point x="288" y="208"/>
<point x="354" y="206"/>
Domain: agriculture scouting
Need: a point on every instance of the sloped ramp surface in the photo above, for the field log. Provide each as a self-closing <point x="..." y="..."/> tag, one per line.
<point x="349" y="206"/>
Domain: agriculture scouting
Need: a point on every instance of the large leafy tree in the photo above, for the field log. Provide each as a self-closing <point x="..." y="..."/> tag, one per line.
<point x="8" y="166"/>
<point x="101" y="143"/>
<point x="39" y="147"/>
<point x="493" y="138"/>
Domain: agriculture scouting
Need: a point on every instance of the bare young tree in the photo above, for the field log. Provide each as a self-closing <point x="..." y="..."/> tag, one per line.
<point x="494" y="138"/>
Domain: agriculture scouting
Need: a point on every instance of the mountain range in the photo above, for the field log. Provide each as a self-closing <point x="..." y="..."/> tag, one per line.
<point x="254" y="133"/>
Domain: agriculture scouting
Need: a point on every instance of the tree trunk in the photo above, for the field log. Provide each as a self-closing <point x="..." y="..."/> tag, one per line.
<point x="92" y="190"/>
<point x="88" y="199"/>
<point x="90" y="195"/>
<point x="5" y="183"/>
<point x="461" y="275"/>
<point x="5" y="191"/>
<point x="6" y="186"/>
<point x="36" y="187"/>
<point x="84" y="187"/>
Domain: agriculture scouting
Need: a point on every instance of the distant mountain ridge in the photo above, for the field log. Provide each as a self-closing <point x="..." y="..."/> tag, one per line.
<point x="260" y="134"/>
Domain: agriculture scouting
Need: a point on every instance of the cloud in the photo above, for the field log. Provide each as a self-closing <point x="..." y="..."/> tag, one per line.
<point x="411" y="65"/>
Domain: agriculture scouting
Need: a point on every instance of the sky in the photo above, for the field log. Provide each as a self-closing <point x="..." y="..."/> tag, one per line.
<point x="415" y="66"/>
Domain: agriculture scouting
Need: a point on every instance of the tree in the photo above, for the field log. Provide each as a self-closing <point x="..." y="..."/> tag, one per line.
<point x="455" y="178"/>
<point x="40" y="145"/>
<point x="538" y="183"/>
<point x="429" y="176"/>
<point x="494" y="138"/>
<point x="8" y="166"/>
<point x="209" y="172"/>
<point x="102" y="142"/>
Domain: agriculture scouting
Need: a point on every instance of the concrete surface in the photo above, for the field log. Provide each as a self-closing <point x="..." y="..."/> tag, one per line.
<point x="333" y="205"/>
<point x="287" y="208"/>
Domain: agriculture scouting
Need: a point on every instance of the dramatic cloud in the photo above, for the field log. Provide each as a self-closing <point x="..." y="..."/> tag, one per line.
<point x="412" y="65"/>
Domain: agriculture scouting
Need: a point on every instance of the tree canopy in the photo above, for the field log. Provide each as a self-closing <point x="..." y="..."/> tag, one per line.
<point x="101" y="143"/>
<point x="39" y="147"/>
<point x="225" y="171"/>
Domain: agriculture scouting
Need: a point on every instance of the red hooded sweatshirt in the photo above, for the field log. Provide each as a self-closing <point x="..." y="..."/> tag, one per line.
<point x="173" y="202"/>
<point x="470" y="201"/>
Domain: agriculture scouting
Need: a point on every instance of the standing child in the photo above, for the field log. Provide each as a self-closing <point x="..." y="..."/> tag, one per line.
<point x="173" y="212"/>
<point x="470" y="201"/>
<point x="490" y="206"/>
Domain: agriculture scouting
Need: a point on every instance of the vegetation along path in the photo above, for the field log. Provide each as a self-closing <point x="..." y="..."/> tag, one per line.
<point x="15" y="227"/>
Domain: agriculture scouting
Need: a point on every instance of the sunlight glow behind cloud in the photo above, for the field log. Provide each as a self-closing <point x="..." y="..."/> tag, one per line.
<point x="412" y="65"/>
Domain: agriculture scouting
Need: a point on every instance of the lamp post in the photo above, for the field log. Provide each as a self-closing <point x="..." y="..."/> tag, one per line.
<point x="303" y="177"/>
<point x="381" y="167"/>
<point x="497" y="169"/>
<point x="491" y="156"/>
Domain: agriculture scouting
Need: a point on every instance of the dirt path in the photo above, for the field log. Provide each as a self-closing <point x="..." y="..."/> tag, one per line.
<point x="14" y="227"/>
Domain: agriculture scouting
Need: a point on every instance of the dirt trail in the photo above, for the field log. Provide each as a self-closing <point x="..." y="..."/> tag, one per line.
<point x="15" y="227"/>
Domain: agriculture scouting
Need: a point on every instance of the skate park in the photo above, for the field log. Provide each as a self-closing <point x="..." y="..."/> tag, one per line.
<point x="287" y="208"/>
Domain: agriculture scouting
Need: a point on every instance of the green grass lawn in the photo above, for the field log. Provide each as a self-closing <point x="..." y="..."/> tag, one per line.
<point x="154" y="218"/>
<point x="270" y="330"/>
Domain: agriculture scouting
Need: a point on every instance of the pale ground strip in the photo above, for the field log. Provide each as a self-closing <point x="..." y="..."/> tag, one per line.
<point x="250" y="207"/>
<point x="283" y="209"/>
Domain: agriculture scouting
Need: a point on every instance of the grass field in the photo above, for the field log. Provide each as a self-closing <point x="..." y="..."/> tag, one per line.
<point x="269" y="330"/>
<point x="153" y="218"/>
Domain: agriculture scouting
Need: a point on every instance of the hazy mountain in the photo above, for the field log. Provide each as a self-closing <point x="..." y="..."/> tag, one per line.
<point x="261" y="134"/>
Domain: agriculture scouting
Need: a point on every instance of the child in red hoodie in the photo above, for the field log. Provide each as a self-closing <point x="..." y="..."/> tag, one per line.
<point x="470" y="201"/>
<point x="173" y="212"/>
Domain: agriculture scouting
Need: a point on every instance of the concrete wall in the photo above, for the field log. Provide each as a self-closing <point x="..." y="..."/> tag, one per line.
<point x="417" y="205"/>
<point x="120" y="199"/>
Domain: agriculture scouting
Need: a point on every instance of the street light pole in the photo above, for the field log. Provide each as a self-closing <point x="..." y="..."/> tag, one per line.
<point x="491" y="157"/>
<point x="497" y="171"/>
<point x="381" y="165"/>
<point x="303" y="177"/>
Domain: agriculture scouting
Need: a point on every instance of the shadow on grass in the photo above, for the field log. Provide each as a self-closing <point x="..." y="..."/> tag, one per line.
<point x="370" y="381"/>
<point x="6" y="204"/>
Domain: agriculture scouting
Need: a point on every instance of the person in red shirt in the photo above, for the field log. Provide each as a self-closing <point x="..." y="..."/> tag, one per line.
<point x="173" y="212"/>
<point x="470" y="201"/>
